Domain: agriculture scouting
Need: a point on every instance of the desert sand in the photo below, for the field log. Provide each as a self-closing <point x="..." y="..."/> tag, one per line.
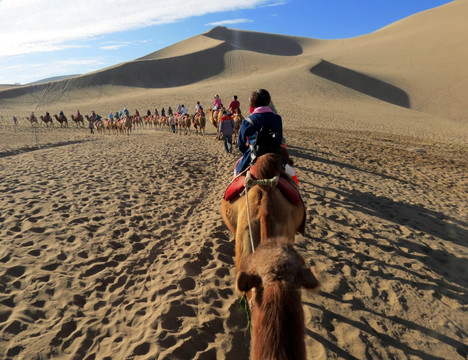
<point x="113" y="247"/>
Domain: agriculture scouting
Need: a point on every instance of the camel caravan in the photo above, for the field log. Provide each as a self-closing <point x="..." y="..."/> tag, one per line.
<point x="180" y="121"/>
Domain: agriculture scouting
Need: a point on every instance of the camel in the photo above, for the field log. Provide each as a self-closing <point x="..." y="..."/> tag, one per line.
<point x="62" y="120"/>
<point x="127" y="125"/>
<point x="33" y="120"/>
<point x="184" y="124"/>
<point x="109" y="124"/>
<point x="271" y="279"/>
<point x="47" y="119"/>
<point x="78" y="120"/>
<point x="272" y="214"/>
<point x="99" y="125"/>
<point x="237" y="117"/>
<point x="215" y="117"/>
<point x="137" y="120"/>
<point x="199" y="122"/>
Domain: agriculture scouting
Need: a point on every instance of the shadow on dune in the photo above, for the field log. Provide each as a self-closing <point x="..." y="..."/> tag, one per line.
<point x="362" y="83"/>
<point x="414" y="217"/>
<point x="159" y="73"/>
<point x="258" y="42"/>
<point x="39" y="147"/>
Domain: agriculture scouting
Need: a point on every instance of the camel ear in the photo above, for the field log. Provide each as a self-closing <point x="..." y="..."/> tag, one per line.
<point x="309" y="278"/>
<point x="246" y="282"/>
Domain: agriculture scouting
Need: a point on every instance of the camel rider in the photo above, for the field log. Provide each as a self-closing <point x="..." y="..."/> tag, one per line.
<point x="234" y="105"/>
<point x="179" y="108"/>
<point x="217" y="103"/>
<point x="111" y="116"/>
<point x="126" y="112"/>
<point x="78" y="113"/>
<point x="169" y="111"/>
<point x="262" y="118"/>
<point x="163" y="112"/>
<point x="61" y="114"/>
<point x="148" y="113"/>
<point x="183" y="110"/>
<point x="156" y="113"/>
<point x="137" y="113"/>
<point x="198" y="108"/>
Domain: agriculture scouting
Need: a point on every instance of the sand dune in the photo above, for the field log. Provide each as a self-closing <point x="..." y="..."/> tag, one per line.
<point x="113" y="247"/>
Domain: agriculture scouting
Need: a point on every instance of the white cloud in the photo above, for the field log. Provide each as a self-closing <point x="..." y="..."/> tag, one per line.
<point x="30" y="26"/>
<point x="228" y="22"/>
<point x="114" y="46"/>
<point x="27" y="72"/>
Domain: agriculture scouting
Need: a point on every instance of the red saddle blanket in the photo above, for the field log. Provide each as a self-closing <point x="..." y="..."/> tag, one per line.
<point x="286" y="188"/>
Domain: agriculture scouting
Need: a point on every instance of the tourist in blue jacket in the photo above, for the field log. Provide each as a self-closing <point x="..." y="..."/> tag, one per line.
<point x="262" y="116"/>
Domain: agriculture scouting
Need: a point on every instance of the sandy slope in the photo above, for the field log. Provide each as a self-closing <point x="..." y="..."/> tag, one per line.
<point x="115" y="245"/>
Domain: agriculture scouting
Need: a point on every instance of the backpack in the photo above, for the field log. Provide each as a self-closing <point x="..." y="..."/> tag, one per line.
<point x="267" y="141"/>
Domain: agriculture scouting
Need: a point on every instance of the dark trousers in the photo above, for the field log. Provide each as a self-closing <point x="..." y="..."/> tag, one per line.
<point x="227" y="139"/>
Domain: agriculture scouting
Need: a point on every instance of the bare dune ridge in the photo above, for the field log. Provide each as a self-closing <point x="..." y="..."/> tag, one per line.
<point x="418" y="58"/>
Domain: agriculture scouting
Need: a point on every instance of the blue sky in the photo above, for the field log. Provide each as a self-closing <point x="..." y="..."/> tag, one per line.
<point x="46" y="38"/>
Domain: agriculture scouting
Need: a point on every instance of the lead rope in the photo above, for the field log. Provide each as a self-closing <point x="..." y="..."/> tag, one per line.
<point x="248" y="182"/>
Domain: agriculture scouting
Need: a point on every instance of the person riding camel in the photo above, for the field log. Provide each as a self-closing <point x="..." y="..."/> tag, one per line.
<point x="234" y="105"/>
<point x="78" y="114"/>
<point x="183" y="110"/>
<point x="137" y="113"/>
<point x="261" y="118"/>
<point x="61" y="115"/>
<point x="217" y="103"/>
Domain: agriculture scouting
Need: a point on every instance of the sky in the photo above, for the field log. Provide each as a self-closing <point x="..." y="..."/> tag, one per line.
<point x="40" y="39"/>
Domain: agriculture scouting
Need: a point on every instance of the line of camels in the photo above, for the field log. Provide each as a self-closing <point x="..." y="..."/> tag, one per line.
<point x="183" y="124"/>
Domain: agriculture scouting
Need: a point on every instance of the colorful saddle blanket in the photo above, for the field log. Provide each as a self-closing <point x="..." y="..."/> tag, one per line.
<point x="286" y="188"/>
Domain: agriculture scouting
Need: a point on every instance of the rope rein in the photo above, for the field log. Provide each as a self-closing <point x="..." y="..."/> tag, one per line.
<point x="249" y="183"/>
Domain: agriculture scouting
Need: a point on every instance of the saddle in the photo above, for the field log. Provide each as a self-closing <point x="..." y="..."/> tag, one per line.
<point x="287" y="188"/>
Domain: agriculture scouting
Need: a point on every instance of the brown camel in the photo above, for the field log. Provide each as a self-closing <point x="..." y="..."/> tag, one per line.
<point x="78" y="120"/>
<point x="272" y="214"/>
<point x="127" y="125"/>
<point x="63" y="121"/>
<point x="33" y="120"/>
<point x="199" y="122"/>
<point x="215" y="117"/>
<point x="271" y="278"/>
<point x="47" y="119"/>
<point x="184" y="124"/>
<point x="237" y="117"/>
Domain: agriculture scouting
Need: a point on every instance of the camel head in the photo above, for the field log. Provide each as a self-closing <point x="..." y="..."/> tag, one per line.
<point x="276" y="271"/>
<point x="276" y="261"/>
